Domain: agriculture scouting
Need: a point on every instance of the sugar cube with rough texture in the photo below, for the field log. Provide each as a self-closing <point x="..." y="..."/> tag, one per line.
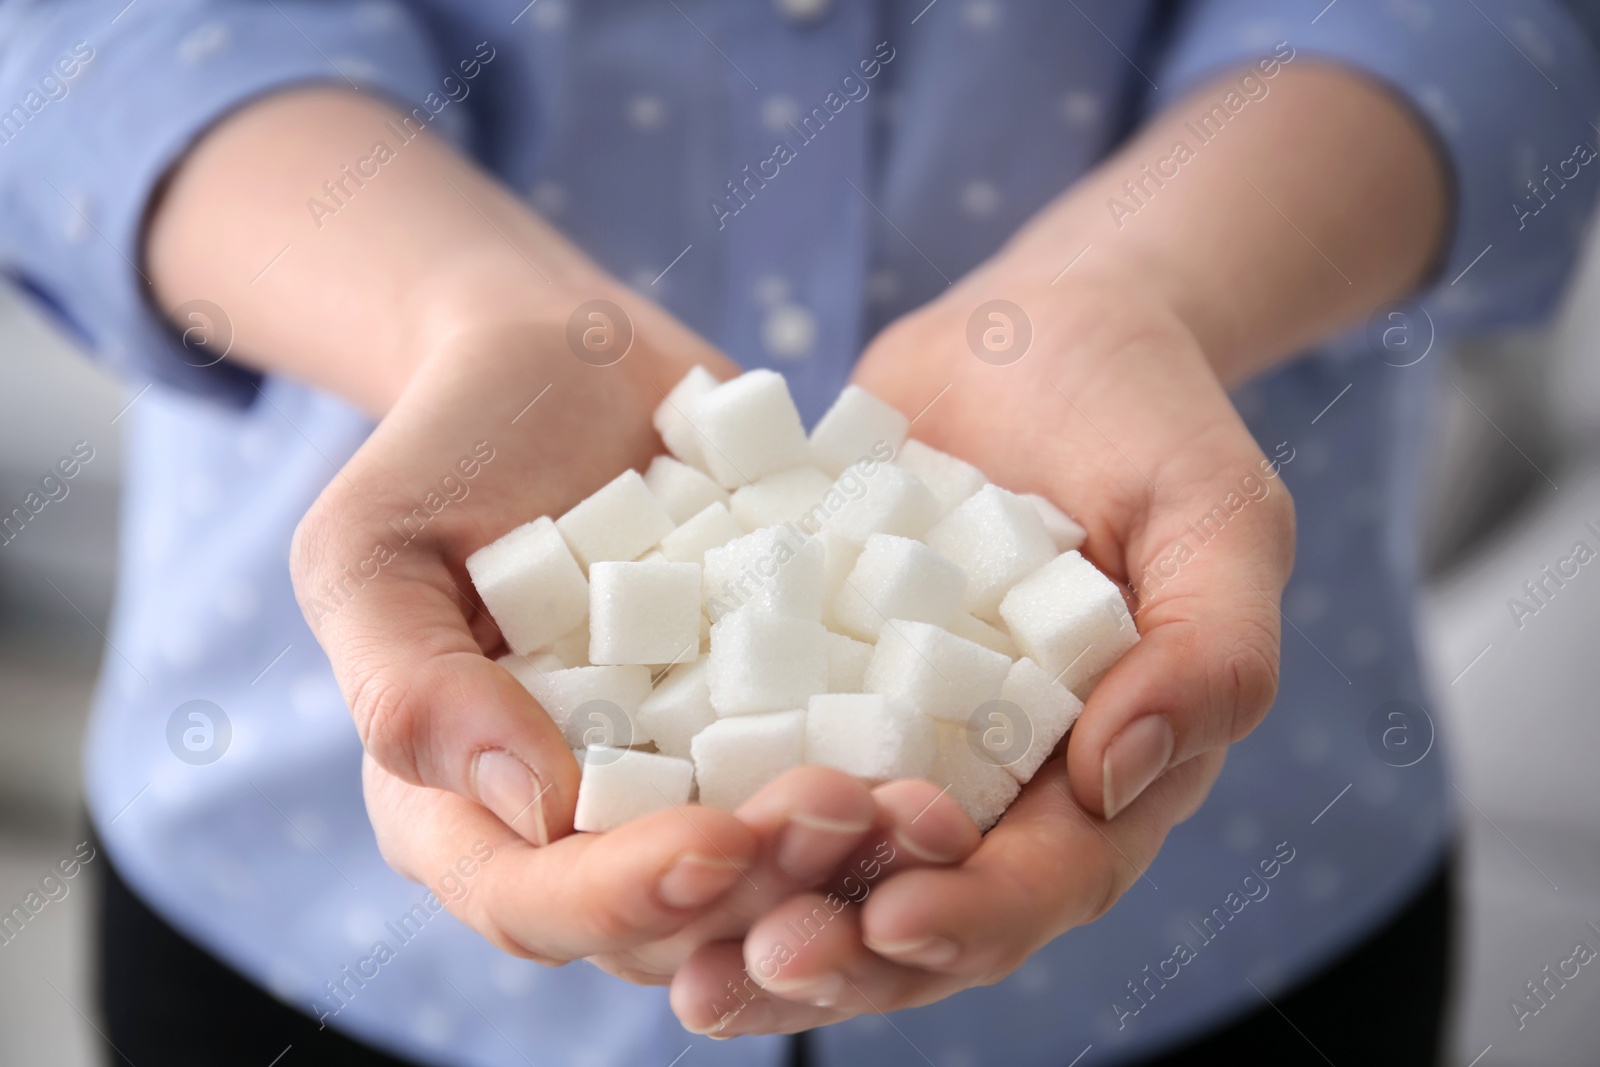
<point x="678" y="708"/>
<point x="672" y="415"/>
<point x="750" y="429"/>
<point x="847" y="664"/>
<point x="1049" y="709"/>
<point x="869" y="735"/>
<point x="1068" y="617"/>
<point x="531" y="584"/>
<point x="839" y="556"/>
<point x="949" y="479"/>
<point x="765" y="662"/>
<point x="880" y="498"/>
<point x="620" y="784"/>
<point x="934" y="671"/>
<point x="983" y="789"/>
<point x="998" y="538"/>
<point x="734" y="758"/>
<point x="855" y="423"/>
<point x="778" y="498"/>
<point x="534" y="662"/>
<point x="777" y="569"/>
<point x="897" y="578"/>
<point x="708" y="529"/>
<point x="621" y="521"/>
<point x="975" y="629"/>
<point x="572" y="647"/>
<point x="644" y="612"/>
<point x="1063" y="530"/>
<point x="682" y="490"/>
<point x="592" y="705"/>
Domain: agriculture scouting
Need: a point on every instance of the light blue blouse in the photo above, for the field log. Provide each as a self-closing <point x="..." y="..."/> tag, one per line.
<point x="625" y="123"/>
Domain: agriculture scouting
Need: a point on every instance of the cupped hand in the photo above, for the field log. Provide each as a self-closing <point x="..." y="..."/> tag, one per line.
<point x="502" y="422"/>
<point x="1113" y="413"/>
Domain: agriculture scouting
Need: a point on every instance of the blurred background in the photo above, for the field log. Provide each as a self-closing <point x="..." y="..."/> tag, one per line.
<point x="1516" y="475"/>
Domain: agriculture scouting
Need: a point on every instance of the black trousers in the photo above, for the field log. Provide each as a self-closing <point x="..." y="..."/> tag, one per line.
<point x="166" y="1001"/>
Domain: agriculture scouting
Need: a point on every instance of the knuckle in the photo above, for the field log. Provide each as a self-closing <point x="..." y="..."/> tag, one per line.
<point x="1248" y="679"/>
<point x="1106" y="889"/>
<point x="497" y="935"/>
<point x="610" y="924"/>
<point x="386" y="713"/>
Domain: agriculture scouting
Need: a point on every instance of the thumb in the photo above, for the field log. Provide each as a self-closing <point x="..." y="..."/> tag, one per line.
<point x="429" y="707"/>
<point x="1205" y="670"/>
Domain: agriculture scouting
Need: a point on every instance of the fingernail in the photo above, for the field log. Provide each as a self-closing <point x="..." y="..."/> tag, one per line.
<point x="920" y="952"/>
<point x="696" y="880"/>
<point x="809" y="845"/>
<point x="509" y="788"/>
<point x="922" y="852"/>
<point x="754" y="1017"/>
<point x="1136" y="757"/>
<point x="822" y="991"/>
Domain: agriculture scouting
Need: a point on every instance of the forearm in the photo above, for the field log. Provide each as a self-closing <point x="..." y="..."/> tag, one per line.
<point x="1312" y="206"/>
<point x="425" y="245"/>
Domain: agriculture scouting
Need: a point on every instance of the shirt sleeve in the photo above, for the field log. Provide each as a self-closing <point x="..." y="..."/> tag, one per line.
<point x="1507" y="88"/>
<point x="98" y="100"/>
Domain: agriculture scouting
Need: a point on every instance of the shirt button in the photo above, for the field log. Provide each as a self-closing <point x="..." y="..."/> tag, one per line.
<point x="789" y="332"/>
<point x="802" y="11"/>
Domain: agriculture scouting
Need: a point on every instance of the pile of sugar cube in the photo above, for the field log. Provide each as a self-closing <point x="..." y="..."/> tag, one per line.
<point x="758" y="600"/>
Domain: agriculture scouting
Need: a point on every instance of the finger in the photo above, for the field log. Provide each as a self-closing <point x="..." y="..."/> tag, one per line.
<point x="917" y="826"/>
<point x="924" y="822"/>
<point x="812" y="818"/>
<point x="1045" y="868"/>
<point x="1205" y="670"/>
<point x="580" y="896"/>
<point x="713" y="994"/>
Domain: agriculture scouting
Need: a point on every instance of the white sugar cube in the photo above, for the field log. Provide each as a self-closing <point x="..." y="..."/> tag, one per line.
<point x="856" y="427"/>
<point x="1065" y="532"/>
<point x="710" y="528"/>
<point x="531" y="584"/>
<point x="847" y="664"/>
<point x="681" y="490"/>
<point x="975" y="629"/>
<point x="1068" y="617"/>
<point x="777" y="569"/>
<point x="880" y="498"/>
<point x="982" y="789"/>
<point x="897" y="578"/>
<point x="643" y="612"/>
<point x="734" y="758"/>
<point x="998" y="538"/>
<point x="750" y="429"/>
<point x="533" y="663"/>
<point x="839" y="556"/>
<point x="778" y="498"/>
<point x="934" y="671"/>
<point x="621" y="521"/>
<point x="765" y="662"/>
<point x="949" y="479"/>
<point x="1048" y="711"/>
<point x="672" y="416"/>
<point x="869" y="735"/>
<point x="678" y="708"/>
<point x="592" y="705"/>
<point x="571" y="648"/>
<point x="619" y="785"/>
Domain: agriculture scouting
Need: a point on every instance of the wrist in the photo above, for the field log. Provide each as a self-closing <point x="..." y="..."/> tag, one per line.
<point x="566" y="322"/>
